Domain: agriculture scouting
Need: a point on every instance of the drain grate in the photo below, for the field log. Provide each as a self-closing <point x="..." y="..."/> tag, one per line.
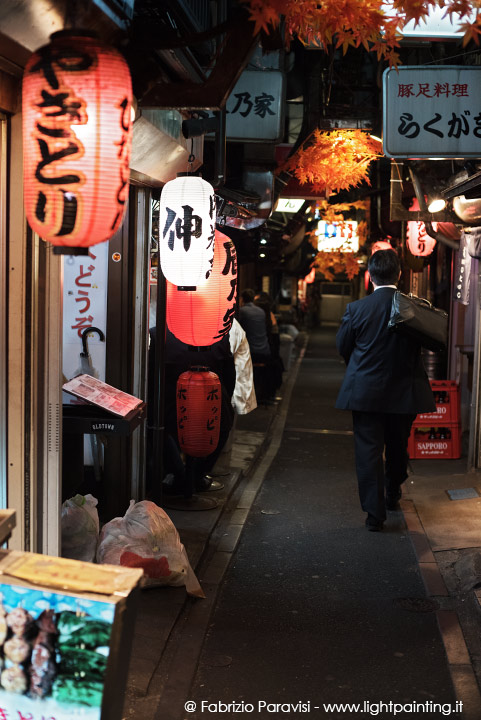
<point x="419" y="605"/>
<point x="462" y="493"/>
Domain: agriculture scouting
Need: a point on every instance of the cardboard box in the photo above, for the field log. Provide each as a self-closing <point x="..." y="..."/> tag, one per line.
<point x="72" y="625"/>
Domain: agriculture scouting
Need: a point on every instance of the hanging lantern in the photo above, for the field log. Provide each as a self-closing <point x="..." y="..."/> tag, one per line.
<point x="417" y="239"/>
<point x="198" y="411"/>
<point x="378" y="245"/>
<point x="187" y="230"/>
<point x="203" y="316"/>
<point x="311" y="276"/>
<point x="77" y="133"/>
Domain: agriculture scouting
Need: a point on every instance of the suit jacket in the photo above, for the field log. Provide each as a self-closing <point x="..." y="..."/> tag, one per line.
<point x="384" y="371"/>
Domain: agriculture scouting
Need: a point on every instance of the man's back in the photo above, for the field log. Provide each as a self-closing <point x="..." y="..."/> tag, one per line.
<point x="384" y="370"/>
<point x="253" y="320"/>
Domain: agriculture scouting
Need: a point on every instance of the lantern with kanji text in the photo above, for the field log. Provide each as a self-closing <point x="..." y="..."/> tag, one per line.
<point x="198" y="411"/>
<point x="417" y="239"/>
<point x="203" y="316"/>
<point x="187" y="230"/>
<point x="77" y="132"/>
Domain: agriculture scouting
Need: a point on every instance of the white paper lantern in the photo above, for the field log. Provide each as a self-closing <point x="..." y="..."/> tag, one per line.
<point x="187" y="231"/>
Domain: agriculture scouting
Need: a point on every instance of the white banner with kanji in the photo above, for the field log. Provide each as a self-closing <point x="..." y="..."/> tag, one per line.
<point x="85" y="305"/>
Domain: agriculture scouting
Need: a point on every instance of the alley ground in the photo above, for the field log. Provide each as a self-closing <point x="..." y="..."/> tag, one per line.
<point x="307" y="606"/>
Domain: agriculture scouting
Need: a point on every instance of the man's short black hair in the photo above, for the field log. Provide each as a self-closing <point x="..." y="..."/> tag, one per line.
<point x="248" y="295"/>
<point x="384" y="267"/>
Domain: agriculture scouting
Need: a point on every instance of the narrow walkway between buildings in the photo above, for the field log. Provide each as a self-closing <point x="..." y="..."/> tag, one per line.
<point x="312" y="609"/>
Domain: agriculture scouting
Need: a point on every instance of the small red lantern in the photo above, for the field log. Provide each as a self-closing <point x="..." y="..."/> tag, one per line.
<point x="378" y="245"/>
<point x="203" y="316"/>
<point x="311" y="276"/>
<point x="198" y="411"/>
<point x="77" y="133"/>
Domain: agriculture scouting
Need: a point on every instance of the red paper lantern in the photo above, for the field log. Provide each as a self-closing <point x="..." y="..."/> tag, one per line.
<point x="417" y="239"/>
<point x="198" y="411"/>
<point x="203" y="316"/>
<point x="378" y="245"/>
<point x="311" y="276"/>
<point x="77" y="133"/>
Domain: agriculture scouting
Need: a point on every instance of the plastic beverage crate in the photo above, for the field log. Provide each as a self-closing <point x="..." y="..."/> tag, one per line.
<point x="442" y="441"/>
<point x="446" y="395"/>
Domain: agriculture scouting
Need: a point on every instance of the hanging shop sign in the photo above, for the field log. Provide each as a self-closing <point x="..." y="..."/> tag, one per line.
<point x="77" y="131"/>
<point x="432" y="111"/>
<point x="204" y="316"/>
<point x="199" y="402"/>
<point x="255" y="107"/>
<point x="84" y="305"/>
<point x="187" y="231"/>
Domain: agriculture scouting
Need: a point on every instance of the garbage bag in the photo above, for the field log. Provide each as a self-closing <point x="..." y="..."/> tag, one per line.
<point x="147" y="538"/>
<point x="80" y="528"/>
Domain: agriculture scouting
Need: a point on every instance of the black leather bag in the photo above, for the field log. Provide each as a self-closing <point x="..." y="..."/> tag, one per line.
<point x="418" y="319"/>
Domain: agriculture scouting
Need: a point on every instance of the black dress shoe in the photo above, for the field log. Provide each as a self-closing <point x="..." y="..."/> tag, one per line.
<point x="392" y="499"/>
<point x="373" y="524"/>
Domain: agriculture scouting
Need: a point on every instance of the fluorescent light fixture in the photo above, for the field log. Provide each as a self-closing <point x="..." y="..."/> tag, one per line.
<point x="289" y="205"/>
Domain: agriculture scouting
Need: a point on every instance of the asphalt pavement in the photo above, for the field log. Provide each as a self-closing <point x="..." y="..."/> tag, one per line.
<point x="315" y="610"/>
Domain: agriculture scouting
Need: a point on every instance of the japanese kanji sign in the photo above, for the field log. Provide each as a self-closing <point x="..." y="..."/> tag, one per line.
<point x="432" y="111"/>
<point x="84" y="305"/>
<point x="254" y="108"/>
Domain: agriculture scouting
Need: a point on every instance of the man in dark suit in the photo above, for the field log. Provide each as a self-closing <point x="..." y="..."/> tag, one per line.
<point x="385" y="387"/>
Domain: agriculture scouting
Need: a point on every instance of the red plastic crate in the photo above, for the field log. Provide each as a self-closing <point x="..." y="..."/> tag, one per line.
<point x="448" y="408"/>
<point x="446" y="444"/>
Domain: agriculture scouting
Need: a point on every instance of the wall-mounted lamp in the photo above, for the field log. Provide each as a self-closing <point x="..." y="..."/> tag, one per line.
<point x="435" y="202"/>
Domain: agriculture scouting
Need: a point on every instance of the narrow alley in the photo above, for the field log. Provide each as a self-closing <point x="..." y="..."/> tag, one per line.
<point x="313" y="609"/>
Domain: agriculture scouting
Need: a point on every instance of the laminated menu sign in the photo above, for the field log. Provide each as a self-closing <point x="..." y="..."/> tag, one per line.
<point x="59" y="661"/>
<point x="99" y="393"/>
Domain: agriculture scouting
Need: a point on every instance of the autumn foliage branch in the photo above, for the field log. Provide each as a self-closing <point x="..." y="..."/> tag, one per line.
<point x="351" y="23"/>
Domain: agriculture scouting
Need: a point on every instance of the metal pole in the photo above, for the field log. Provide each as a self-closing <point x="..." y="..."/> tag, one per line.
<point x="158" y="415"/>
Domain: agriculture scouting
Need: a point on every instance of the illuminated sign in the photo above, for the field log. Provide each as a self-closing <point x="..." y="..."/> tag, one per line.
<point x="337" y="236"/>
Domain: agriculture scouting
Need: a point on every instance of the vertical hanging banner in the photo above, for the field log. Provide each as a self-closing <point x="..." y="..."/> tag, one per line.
<point x="85" y="305"/>
<point x="463" y="273"/>
<point x="77" y="132"/>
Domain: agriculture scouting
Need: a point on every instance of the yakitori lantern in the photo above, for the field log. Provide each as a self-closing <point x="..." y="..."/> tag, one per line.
<point x="77" y="132"/>
<point x="417" y="239"/>
<point x="198" y="411"/>
<point x="203" y="316"/>
<point x="187" y="230"/>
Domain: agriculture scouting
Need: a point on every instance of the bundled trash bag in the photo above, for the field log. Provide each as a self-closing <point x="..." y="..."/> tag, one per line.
<point x="146" y="538"/>
<point x="80" y="528"/>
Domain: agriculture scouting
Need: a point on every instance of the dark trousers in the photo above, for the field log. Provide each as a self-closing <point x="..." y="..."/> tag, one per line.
<point x="375" y="435"/>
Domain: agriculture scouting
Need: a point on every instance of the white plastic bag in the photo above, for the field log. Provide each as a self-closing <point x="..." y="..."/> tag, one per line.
<point x="147" y="538"/>
<point x="80" y="528"/>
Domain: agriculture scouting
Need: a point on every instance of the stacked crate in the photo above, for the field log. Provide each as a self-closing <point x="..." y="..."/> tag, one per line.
<point x="438" y="434"/>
